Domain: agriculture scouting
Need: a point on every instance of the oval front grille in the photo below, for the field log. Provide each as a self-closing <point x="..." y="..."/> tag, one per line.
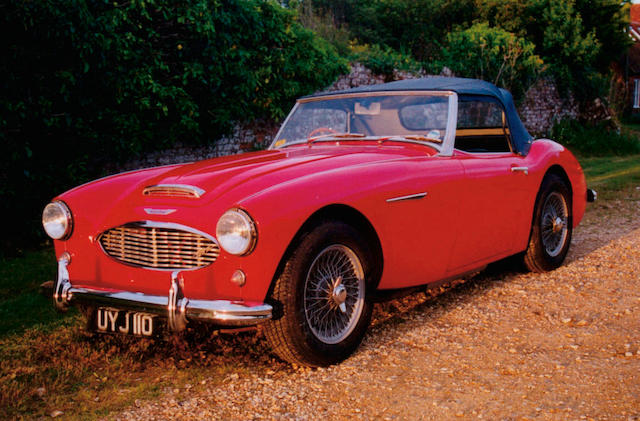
<point x="160" y="246"/>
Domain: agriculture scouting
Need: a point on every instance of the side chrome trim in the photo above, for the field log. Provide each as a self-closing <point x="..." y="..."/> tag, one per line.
<point x="175" y="307"/>
<point x="193" y="191"/>
<point x="408" y="197"/>
<point x="525" y="170"/>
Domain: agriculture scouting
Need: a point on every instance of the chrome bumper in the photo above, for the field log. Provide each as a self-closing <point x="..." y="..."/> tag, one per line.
<point x="175" y="307"/>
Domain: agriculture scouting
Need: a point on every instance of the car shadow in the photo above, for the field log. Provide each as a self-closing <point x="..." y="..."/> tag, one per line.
<point x="247" y="349"/>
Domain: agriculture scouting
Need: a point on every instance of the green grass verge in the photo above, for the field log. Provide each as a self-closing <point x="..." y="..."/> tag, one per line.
<point x="612" y="176"/>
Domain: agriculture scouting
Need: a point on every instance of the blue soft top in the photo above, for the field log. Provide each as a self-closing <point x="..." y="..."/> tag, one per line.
<point x="520" y="136"/>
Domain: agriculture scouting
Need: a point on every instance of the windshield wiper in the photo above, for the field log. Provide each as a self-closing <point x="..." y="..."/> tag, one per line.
<point x="411" y="138"/>
<point x="329" y="136"/>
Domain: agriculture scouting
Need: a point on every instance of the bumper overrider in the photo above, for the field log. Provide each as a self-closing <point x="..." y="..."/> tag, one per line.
<point x="177" y="308"/>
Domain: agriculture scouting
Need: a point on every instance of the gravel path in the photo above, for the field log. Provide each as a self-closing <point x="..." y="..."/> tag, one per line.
<point x="503" y="345"/>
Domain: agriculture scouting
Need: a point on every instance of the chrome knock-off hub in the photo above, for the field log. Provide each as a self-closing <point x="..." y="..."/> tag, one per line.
<point x="339" y="294"/>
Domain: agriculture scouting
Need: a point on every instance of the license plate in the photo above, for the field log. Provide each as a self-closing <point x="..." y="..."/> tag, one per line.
<point x="109" y="320"/>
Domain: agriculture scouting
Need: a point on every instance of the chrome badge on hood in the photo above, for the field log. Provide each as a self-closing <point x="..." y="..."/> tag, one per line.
<point x="152" y="211"/>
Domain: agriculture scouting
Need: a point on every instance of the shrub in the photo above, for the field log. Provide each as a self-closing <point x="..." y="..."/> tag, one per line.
<point x="491" y="54"/>
<point x="383" y="60"/>
<point x="87" y="81"/>
<point x="594" y="140"/>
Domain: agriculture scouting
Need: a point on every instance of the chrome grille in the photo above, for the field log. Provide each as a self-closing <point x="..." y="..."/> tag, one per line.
<point x="159" y="246"/>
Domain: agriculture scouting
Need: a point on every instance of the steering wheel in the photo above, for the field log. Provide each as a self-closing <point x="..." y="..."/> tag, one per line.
<point x="320" y="130"/>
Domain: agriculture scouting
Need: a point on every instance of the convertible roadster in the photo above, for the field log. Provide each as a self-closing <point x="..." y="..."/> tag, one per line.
<point x="373" y="189"/>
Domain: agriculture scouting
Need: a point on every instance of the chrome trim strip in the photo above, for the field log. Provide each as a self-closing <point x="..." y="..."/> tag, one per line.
<point x="525" y="170"/>
<point x="452" y="121"/>
<point x="408" y="197"/>
<point x="284" y="123"/>
<point x="154" y="224"/>
<point x="177" y="308"/>
<point x="196" y="191"/>
<point x="375" y="93"/>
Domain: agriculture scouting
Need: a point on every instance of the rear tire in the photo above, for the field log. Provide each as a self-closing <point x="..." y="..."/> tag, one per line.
<point x="551" y="227"/>
<point x="320" y="298"/>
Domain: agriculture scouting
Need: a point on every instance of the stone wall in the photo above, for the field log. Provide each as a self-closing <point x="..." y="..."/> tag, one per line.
<point x="541" y="108"/>
<point x="247" y="137"/>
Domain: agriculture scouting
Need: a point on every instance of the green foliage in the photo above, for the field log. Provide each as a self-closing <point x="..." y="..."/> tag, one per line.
<point x="491" y="54"/>
<point x="576" y="39"/>
<point x="86" y="82"/>
<point x="413" y="26"/>
<point x="594" y="140"/>
<point x="609" y="19"/>
<point x="383" y="60"/>
<point x="571" y="46"/>
<point x="324" y="25"/>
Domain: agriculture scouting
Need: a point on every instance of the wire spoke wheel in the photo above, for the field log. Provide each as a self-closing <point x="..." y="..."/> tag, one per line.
<point x="554" y="223"/>
<point x="334" y="294"/>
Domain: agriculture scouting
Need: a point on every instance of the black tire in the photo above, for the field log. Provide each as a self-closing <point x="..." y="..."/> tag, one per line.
<point x="305" y="297"/>
<point x="551" y="227"/>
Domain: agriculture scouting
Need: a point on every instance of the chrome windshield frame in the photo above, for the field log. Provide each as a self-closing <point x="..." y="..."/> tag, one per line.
<point x="445" y="149"/>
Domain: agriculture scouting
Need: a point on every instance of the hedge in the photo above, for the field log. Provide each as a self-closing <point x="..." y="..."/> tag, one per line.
<point x="89" y="82"/>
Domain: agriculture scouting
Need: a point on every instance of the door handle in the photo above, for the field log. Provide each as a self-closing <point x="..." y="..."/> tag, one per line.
<point x="525" y="170"/>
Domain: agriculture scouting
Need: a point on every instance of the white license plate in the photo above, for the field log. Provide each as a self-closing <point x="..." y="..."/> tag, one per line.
<point x="109" y="320"/>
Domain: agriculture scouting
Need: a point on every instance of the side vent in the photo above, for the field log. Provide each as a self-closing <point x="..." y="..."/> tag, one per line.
<point x="173" y="190"/>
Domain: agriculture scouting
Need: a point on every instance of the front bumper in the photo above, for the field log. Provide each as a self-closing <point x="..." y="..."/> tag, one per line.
<point x="177" y="308"/>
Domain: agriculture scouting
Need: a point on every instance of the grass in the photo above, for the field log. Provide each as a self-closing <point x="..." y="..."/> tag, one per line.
<point x="21" y="305"/>
<point x="612" y="175"/>
<point x="47" y="363"/>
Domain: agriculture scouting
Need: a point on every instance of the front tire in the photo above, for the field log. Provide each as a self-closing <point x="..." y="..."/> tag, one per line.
<point x="321" y="297"/>
<point x="551" y="227"/>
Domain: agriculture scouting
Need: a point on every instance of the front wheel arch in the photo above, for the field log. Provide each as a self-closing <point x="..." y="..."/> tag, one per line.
<point x="338" y="213"/>
<point x="304" y="297"/>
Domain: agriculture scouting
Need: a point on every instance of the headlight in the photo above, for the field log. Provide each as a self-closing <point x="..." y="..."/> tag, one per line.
<point x="57" y="220"/>
<point x="236" y="232"/>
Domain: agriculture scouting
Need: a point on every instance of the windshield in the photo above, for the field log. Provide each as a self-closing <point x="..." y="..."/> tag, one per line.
<point x="417" y="117"/>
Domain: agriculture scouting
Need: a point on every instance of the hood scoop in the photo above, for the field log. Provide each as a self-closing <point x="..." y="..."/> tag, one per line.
<point x="173" y="190"/>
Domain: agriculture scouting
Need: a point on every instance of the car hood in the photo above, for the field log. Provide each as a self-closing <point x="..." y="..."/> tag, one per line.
<point x="226" y="182"/>
<point x="248" y="174"/>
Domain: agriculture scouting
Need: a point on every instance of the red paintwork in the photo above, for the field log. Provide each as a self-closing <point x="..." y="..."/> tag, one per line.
<point x="476" y="211"/>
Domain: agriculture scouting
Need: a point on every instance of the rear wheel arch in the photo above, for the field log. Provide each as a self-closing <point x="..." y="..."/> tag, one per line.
<point x="535" y="258"/>
<point x="557" y="170"/>
<point x="560" y="172"/>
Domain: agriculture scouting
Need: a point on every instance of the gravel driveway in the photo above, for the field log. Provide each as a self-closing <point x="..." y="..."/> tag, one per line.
<point x="503" y="345"/>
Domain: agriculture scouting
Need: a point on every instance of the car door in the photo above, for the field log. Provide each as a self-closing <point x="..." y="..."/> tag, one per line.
<point x="492" y="197"/>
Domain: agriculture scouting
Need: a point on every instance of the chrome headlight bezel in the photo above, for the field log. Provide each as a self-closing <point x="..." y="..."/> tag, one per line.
<point x="57" y="220"/>
<point x="236" y="226"/>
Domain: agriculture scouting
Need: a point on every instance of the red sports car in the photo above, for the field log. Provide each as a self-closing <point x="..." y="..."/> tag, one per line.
<point x="378" y="188"/>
